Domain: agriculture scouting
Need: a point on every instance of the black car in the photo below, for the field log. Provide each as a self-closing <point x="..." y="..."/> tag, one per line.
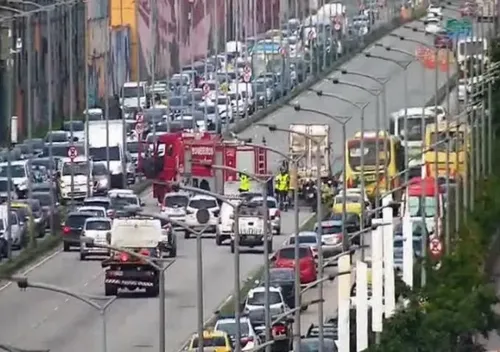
<point x="50" y="208"/>
<point x="72" y="229"/>
<point x="285" y="279"/>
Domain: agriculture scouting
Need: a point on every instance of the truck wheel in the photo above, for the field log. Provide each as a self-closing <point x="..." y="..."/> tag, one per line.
<point x="66" y="247"/>
<point x="110" y="290"/>
<point x="232" y="246"/>
<point x="278" y="231"/>
<point x="153" y="291"/>
<point x="270" y="246"/>
<point x="187" y="234"/>
<point x="83" y="256"/>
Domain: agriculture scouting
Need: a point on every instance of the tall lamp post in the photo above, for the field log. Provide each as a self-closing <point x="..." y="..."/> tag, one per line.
<point x="273" y="128"/>
<point x="381" y="82"/>
<point x="24" y="283"/>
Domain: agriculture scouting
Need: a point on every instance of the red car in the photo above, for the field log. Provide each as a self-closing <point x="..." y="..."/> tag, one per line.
<point x="443" y="41"/>
<point x="285" y="258"/>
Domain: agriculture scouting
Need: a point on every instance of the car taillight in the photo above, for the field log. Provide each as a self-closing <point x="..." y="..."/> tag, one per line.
<point x="145" y="252"/>
<point x="279" y="330"/>
<point x="277" y="214"/>
<point x="66" y="230"/>
<point x="163" y="208"/>
<point x="124" y="257"/>
<point x="245" y="340"/>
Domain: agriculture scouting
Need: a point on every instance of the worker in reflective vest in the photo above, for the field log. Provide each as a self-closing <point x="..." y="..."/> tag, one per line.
<point x="283" y="186"/>
<point x="244" y="183"/>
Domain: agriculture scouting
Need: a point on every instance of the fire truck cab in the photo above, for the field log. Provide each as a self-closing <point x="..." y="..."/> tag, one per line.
<point x="187" y="158"/>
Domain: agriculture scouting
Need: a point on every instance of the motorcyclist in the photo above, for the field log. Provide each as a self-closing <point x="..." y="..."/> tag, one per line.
<point x="326" y="193"/>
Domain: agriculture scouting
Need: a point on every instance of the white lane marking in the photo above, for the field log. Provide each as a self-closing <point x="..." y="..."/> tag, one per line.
<point x="230" y="297"/>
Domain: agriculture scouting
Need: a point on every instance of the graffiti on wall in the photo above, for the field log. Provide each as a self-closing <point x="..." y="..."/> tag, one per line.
<point x="120" y="57"/>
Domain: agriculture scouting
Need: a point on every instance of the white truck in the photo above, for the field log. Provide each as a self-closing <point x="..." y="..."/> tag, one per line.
<point x="299" y="145"/>
<point x="97" y="143"/>
<point x="487" y="10"/>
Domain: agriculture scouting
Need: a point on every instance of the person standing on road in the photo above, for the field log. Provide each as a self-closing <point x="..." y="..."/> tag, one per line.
<point x="244" y="183"/>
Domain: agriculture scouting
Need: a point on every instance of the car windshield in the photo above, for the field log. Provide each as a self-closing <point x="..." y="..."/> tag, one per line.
<point x="223" y="101"/>
<point x="78" y="126"/>
<point x="415" y="131"/>
<point x="289" y="253"/>
<point x="16" y="171"/>
<point x="258" y="298"/>
<point x="230" y="328"/>
<point x="44" y="198"/>
<point x="415" y="206"/>
<point x="76" y="221"/>
<point x="176" y="201"/>
<point x="122" y="201"/>
<point x="203" y="203"/>
<point x="304" y="239"/>
<point x="133" y="92"/>
<point x="271" y="203"/>
<point x="99" y="154"/>
<point x="281" y="275"/>
<point x="75" y="168"/>
<point x="216" y="341"/>
<point x="98" y="225"/>
<point x="96" y="203"/>
<point x="330" y="230"/>
<point x="57" y="137"/>
<point x="370" y="157"/>
<point x="99" y="169"/>
<point x="44" y="162"/>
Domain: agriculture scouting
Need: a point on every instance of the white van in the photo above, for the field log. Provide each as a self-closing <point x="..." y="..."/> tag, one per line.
<point x="79" y="169"/>
<point x="224" y="228"/>
<point x="131" y="92"/>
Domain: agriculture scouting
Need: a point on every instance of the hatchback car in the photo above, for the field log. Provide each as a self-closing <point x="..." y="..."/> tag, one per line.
<point x="285" y="258"/>
<point x="72" y="229"/>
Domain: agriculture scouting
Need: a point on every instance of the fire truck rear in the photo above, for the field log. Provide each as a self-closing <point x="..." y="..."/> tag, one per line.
<point x="186" y="158"/>
<point x="124" y="270"/>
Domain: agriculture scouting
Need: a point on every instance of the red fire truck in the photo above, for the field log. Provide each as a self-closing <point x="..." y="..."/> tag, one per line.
<point x="186" y="158"/>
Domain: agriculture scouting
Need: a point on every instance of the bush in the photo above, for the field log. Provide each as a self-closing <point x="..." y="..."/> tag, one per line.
<point x="455" y="306"/>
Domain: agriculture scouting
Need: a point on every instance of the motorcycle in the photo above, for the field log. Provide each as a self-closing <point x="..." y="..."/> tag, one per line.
<point x="310" y="196"/>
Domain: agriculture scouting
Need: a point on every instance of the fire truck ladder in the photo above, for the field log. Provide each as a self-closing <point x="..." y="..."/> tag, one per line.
<point x="261" y="161"/>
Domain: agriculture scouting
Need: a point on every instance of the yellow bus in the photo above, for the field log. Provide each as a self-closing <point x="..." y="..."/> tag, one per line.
<point x="392" y="162"/>
<point x="459" y="149"/>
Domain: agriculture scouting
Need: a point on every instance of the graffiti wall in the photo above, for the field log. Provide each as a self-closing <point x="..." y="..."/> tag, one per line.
<point x="187" y="30"/>
<point x="120" y="56"/>
<point x="97" y="39"/>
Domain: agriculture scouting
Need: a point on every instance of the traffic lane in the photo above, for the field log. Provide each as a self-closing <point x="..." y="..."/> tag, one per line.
<point x="417" y="95"/>
<point x="66" y="324"/>
<point x="330" y="291"/>
<point x="59" y="269"/>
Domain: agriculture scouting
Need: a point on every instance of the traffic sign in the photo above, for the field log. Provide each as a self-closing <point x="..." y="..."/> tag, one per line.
<point x="247" y="76"/>
<point x="459" y="27"/>
<point x="72" y="152"/>
<point x="139" y="128"/>
<point x="206" y="89"/>
<point x="435" y="246"/>
<point x="337" y="26"/>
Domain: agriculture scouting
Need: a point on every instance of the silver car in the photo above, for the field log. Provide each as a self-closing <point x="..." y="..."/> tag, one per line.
<point x="101" y="179"/>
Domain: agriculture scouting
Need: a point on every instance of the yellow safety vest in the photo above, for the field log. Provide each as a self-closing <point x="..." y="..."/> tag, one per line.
<point x="283" y="182"/>
<point x="277" y="181"/>
<point x="244" y="183"/>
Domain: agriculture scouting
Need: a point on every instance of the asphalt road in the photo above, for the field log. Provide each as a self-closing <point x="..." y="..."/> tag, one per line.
<point x="37" y="320"/>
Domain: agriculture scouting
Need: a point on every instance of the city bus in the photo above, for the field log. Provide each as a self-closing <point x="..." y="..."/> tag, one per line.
<point x="435" y="137"/>
<point x="391" y="162"/>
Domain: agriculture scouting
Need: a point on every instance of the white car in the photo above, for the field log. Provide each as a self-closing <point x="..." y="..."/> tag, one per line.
<point x="239" y="105"/>
<point x="74" y="178"/>
<point x="174" y="206"/>
<point x="251" y="228"/>
<point x="249" y="338"/>
<point x="98" y="229"/>
<point x="201" y="202"/>
<point x="4" y="190"/>
<point x="434" y="10"/>
<point x="16" y="225"/>
<point x="433" y="25"/>
<point x="98" y="211"/>
<point x="306" y="238"/>
<point x="256" y="300"/>
<point x="274" y="212"/>
<point x="224" y="107"/>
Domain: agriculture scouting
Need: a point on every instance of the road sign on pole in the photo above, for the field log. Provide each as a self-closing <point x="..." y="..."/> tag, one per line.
<point x="435" y="246"/>
<point x="247" y="76"/>
<point x="72" y="153"/>
<point x="139" y="118"/>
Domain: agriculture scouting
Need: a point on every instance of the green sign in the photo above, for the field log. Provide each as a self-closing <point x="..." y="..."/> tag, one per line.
<point x="454" y="26"/>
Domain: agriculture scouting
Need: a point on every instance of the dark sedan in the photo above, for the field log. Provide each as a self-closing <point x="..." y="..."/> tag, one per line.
<point x="72" y="229"/>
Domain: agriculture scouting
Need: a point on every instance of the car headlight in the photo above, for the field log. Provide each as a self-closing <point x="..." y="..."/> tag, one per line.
<point x="103" y="182"/>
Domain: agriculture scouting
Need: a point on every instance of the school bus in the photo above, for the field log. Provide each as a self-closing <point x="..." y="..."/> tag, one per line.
<point x="375" y="178"/>
<point x="435" y="137"/>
